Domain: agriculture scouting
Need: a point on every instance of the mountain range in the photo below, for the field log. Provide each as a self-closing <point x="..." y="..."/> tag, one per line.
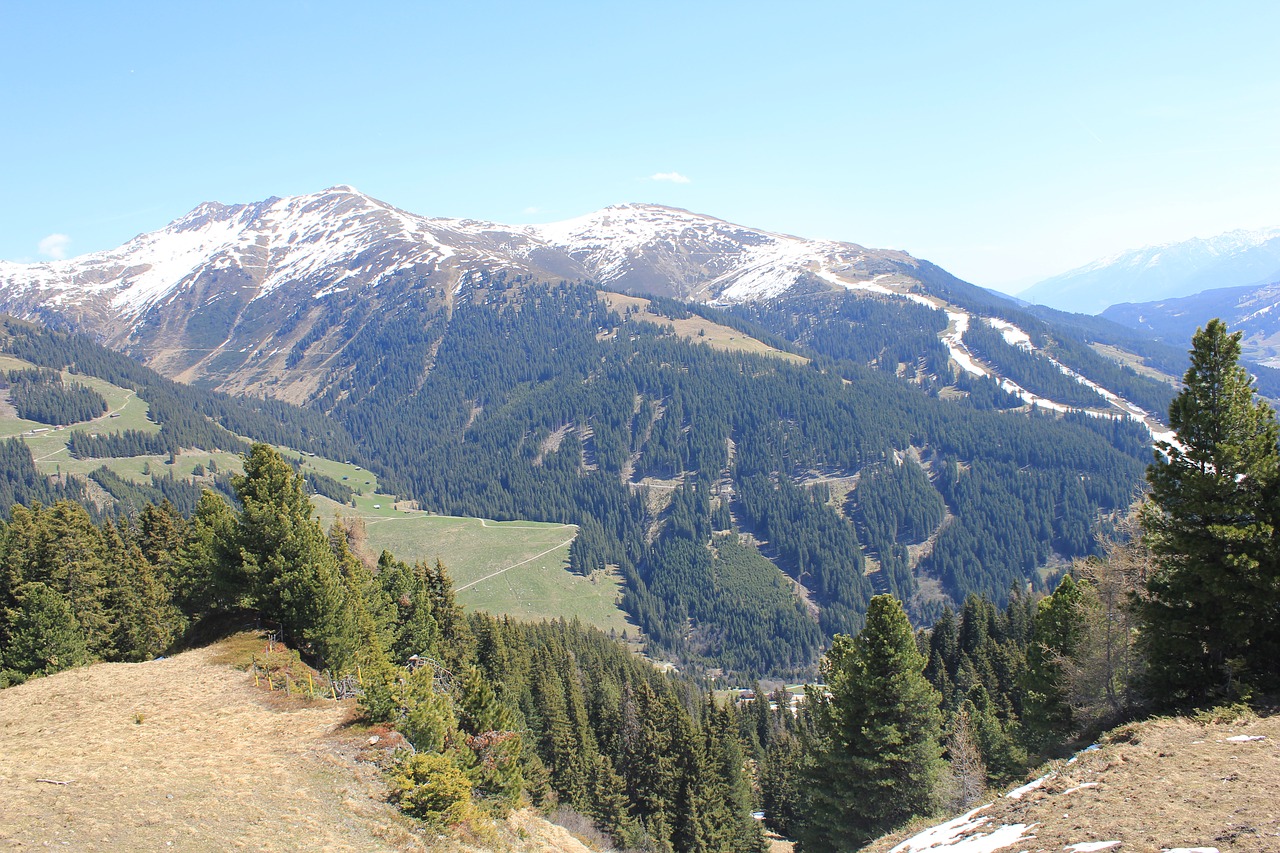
<point x="1164" y="272"/>
<point x="223" y="294"/>
<point x="755" y="431"/>
<point x="1252" y="310"/>
<point x="235" y="296"/>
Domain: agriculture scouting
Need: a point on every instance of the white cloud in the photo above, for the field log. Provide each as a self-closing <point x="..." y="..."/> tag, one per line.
<point x="55" y="246"/>
<point x="672" y="177"/>
<point x="533" y="210"/>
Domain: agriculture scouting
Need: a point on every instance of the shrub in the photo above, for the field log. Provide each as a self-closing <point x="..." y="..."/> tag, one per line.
<point x="434" y="789"/>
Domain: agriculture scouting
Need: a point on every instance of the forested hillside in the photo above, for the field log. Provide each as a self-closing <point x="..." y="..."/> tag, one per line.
<point x="543" y="404"/>
<point x="700" y="473"/>
<point x="502" y="714"/>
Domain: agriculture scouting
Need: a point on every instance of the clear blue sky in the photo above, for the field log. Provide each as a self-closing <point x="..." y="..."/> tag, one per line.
<point x="1005" y="142"/>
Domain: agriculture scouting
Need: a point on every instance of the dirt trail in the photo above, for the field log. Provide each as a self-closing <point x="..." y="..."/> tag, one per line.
<point x="214" y="764"/>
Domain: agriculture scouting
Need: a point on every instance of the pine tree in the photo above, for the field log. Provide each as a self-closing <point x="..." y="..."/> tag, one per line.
<point x="209" y="570"/>
<point x="1059" y="631"/>
<point x="291" y="568"/>
<point x="1212" y="609"/>
<point x="878" y="754"/>
<point x="42" y="633"/>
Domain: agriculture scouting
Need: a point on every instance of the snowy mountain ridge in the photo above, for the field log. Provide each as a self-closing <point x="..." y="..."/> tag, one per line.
<point x="305" y="238"/>
<point x="1164" y="271"/>
<point x="266" y="296"/>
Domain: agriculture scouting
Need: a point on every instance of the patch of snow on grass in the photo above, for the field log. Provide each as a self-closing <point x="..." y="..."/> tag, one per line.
<point x="1189" y="850"/>
<point x="1091" y="846"/>
<point x="954" y="836"/>
<point x="1078" y="788"/>
<point x="1019" y="793"/>
<point x="1092" y="748"/>
<point x="1245" y="738"/>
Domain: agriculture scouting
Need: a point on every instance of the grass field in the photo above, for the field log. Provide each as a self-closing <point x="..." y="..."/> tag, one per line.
<point x="49" y="444"/>
<point x="518" y="568"/>
<point x="184" y="753"/>
<point x="513" y="568"/>
<point x="698" y="329"/>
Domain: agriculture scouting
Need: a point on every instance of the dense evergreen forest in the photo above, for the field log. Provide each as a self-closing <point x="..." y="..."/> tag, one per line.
<point x="41" y="396"/>
<point x="518" y="363"/>
<point x="535" y="401"/>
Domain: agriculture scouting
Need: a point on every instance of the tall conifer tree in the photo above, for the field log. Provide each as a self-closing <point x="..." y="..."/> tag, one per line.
<point x="878" y="754"/>
<point x="1211" y="611"/>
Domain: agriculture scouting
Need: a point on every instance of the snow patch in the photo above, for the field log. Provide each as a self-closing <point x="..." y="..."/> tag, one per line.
<point x="1012" y="334"/>
<point x="1091" y="748"/>
<point x="1245" y="738"/>
<point x="1091" y="846"/>
<point x="955" y="836"/>
<point x="1079" y="787"/>
<point x="1019" y="793"/>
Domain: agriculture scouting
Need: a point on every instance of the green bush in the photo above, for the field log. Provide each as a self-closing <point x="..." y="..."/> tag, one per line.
<point x="434" y="789"/>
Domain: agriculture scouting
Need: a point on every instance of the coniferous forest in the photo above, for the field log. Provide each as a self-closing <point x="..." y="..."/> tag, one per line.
<point x="901" y="722"/>
<point x="457" y="412"/>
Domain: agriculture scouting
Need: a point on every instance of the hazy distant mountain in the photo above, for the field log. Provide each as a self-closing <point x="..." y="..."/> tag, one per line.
<point x="1164" y="272"/>
<point x="1252" y="310"/>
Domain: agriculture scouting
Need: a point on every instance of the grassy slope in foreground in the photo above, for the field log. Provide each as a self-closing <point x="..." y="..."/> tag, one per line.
<point x="519" y="568"/>
<point x="213" y="764"/>
<point x="1157" y="785"/>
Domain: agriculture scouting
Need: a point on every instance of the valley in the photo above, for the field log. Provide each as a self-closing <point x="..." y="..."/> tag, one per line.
<point x="742" y="453"/>
<point x="643" y="375"/>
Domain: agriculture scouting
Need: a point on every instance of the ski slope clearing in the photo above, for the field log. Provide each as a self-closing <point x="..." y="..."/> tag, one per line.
<point x="186" y="754"/>
<point x="1164" y="785"/>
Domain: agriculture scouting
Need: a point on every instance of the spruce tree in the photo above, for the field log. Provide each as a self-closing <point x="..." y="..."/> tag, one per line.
<point x="42" y="635"/>
<point x="1211" y="609"/>
<point x="1058" y="633"/>
<point x="291" y="568"/>
<point x="878" y="754"/>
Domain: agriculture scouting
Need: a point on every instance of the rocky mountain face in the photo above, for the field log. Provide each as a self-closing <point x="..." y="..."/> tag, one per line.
<point x="1252" y="310"/>
<point x="1164" y="272"/>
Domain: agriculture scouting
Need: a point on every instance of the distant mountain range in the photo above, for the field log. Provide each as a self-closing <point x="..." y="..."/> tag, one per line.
<point x="1255" y="311"/>
<point x="223" y="294"/>
<point x="1164" y="272"/>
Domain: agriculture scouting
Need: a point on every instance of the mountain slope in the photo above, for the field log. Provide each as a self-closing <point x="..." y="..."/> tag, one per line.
<point x="480" y="371"/>
<point x="269" y="297"/>
<point x="1164" y="272"/>
<point x="1165" y="784"/>
<point x="1255" y="311"/>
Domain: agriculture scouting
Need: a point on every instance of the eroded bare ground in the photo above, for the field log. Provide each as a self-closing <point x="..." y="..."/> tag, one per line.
<point x="186" y="754"/>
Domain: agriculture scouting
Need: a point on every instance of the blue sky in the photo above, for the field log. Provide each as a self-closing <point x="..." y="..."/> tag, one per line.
<point x="1005" y="142"/>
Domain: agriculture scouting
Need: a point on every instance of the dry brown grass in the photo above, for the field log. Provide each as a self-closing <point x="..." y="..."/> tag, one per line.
<point x="699" y="329"/>
<point x="1162" y="784"/>
<point x="185" y="754"/>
